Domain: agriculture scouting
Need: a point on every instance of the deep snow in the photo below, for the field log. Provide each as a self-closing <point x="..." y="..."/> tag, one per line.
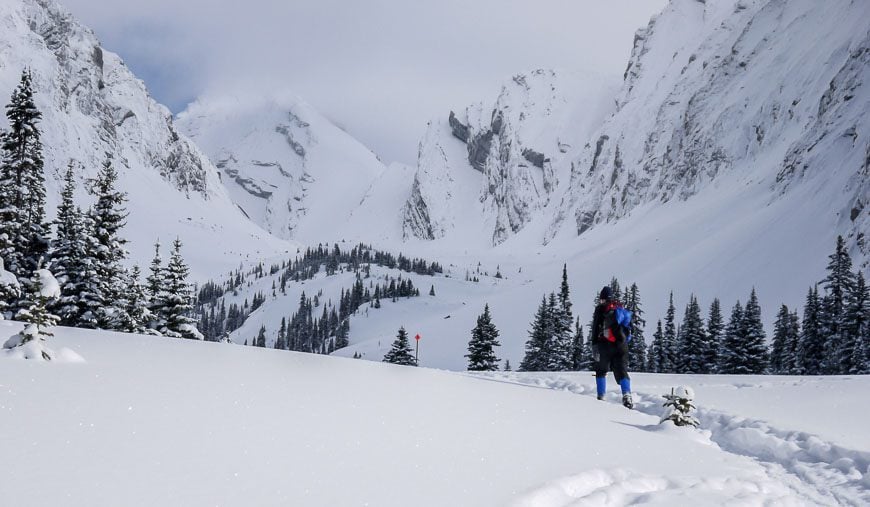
<point x="156" y="421"/>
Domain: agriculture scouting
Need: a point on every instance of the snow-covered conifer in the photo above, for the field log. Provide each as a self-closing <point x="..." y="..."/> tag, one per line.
<point x="178" y="309"/>
<point x="679" y="405"/>
<point x="811" y="348"/>
<point x="692" y="341"/>
<point x="731" y="353"/>
<point x="24" y="234"/>
<point x="42" y="289"/>
<point x="400" y="352"/>
<point x="715" y="328"/>
<point x="637" y="350"/>
<point x="484" y="338"/>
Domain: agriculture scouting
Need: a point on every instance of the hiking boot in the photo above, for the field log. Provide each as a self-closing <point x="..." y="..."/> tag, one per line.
<point x="627" y="402"/>
<point x="600" y="396"/>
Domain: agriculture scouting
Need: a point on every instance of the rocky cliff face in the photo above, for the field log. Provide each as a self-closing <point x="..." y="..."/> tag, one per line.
<point x="512" y="144"/>
<point x="93" y="107"/>
<point x="766" y="92"/>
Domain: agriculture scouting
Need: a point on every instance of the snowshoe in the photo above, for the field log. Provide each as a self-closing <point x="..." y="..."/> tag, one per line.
<point x="627" y="402"/>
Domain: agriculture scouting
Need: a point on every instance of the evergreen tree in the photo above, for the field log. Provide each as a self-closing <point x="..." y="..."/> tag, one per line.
<point x="580" y="355"/>
<point x="155" y="287"/>
<point x="715" y="328"/>
<point x="70" y="255"/>
<point x="657" y="354"/>
<point x="136" y="313"/>
<point x="484" y="338"/>
<point x="507" y="365"/>
<point x="731" y="353"/>
<point x="637" y="350"/>
<point x="24" y="234"/>
<point x="42" y="288"/>
<point x="811" y="348"/>
<point x="779" y="351"/>
<point x="792" y="363"/>
<point x="108" y="216"/>
<point x="679" y="406"/>
<point x="669" y="340"/>
<point x="401" y="352"/>
<point x="537" y="350"/>
<point x="755" y="345"/>
<point x="282" y="335"/>
<point x="839" y="284"/>
<point x="692" y="341"/>
<point x="432" y="290"/>
<point x="260" y="341"/>
<point x="856" y="313"/>
<point x="10" y="291"/>
<point x="178" y="308"/>
<point x="559" y="336"/>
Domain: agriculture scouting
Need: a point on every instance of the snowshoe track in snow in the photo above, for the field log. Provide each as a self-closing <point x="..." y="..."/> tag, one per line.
<point x="814" y="470"/>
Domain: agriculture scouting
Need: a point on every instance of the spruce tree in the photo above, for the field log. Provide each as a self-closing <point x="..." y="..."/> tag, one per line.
<point x="281" y="343"/>
<point x="755" y="355"/>
<point x="792" y="364"/>
<point x="484" y="338"/>
<point x="24" y="234"/>
<point x="108" y="216"/>
<point x="400" y="352"/>
<point x="715" y="328"/>
<point x="136" y="314"/>
<point x="71" y="259"/>
<point x="637" y="350"/>
<point x="692" y="341"/>
<point x="537" y="353"/>
<point x="669" y="340"/>
<point x="779" y="349"/>
<point x="580" y="355"/>
<point x="838" y="284"/>
<point x="42" y="288"/>
<point x="155" y="286"/>
<point x="731" y="358"/>
<point x="560" y="337"/>
<point x="856" y="313"/>
<point x="178" y="310"/>
<point x="657" y="354"/>
<point x="811" y="348"/>
<point x="10" y="291"/>
<point x="507" y="365"/>
<point x="260" y="341"/>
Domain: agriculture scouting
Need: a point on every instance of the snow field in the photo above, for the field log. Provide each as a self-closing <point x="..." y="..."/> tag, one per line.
<point x="149" y="421"/>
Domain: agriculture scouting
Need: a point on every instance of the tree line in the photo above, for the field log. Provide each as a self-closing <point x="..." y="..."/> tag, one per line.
<point x="86" y="253"/>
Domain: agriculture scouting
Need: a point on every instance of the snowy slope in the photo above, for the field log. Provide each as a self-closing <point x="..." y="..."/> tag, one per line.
<point x="752" y="97"/>
<point x="291" y="170"/>
<point x="222" y="424"/>
<point x="93" y="106"/>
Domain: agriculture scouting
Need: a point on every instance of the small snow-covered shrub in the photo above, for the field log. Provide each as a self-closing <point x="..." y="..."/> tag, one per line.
<point x="679" y="407"/>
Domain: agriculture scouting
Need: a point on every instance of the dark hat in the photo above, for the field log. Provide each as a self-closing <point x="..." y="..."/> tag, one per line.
<point x="606" y="293"/>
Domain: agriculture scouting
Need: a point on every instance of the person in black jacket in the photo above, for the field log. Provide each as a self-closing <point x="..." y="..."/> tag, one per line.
<point x="610" y="347"/>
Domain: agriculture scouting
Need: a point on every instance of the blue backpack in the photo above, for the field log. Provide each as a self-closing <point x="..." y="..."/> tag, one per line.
<point x="622" y="317"/>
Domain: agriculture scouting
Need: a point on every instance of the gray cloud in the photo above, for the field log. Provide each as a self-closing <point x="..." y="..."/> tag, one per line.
<point x="379" y="68"/>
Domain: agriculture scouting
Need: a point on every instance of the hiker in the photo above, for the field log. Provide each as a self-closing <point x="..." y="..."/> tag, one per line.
<point x="610" y="346"/>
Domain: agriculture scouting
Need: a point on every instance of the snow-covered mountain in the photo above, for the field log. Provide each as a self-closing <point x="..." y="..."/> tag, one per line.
<point x="484" y="173"/>
<point x="767" y="94"/>
<point x="760" y="97"/>
<point x="288" y="168"/>
<point x="93" y="107"/>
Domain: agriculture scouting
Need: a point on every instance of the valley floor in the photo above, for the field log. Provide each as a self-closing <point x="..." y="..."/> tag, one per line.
<point x="154" y="421"/>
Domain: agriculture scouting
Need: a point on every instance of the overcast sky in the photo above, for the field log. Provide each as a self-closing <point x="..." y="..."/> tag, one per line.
<point x="378" y="68"/>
